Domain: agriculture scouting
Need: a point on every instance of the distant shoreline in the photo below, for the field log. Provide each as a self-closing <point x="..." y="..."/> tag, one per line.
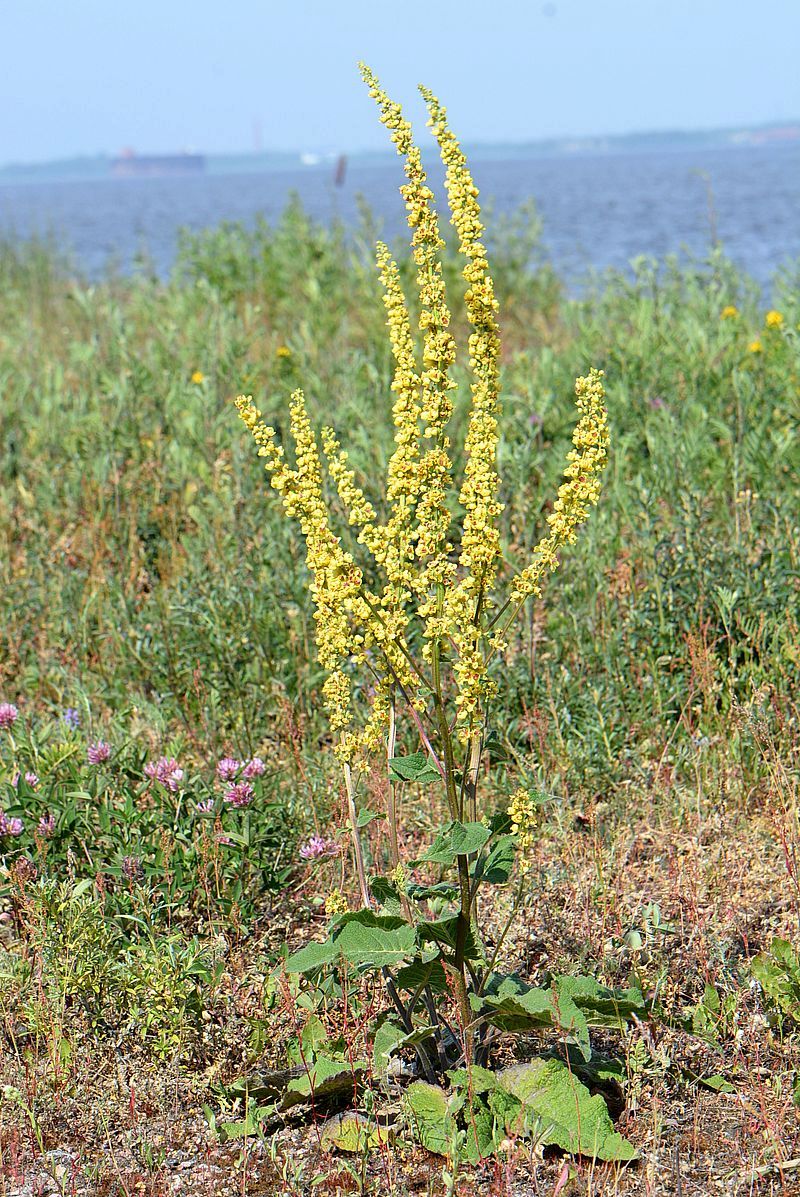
<point x="100" y="166"/>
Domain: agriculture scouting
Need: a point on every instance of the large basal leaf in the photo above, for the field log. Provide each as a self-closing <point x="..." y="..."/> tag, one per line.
<point x="422" y="972"/>
<point x="602" y="1007"/>
<point x="571" y="1004"/>
<point x="454" y="840"/>
<point x="386" y="1039"/>
<point x="311" y="957"/>
<point x="432" y="1122"/>
<point x="390" y="1037"/>
<point x="351" y="1132"/>
<point x="560" y="1110"/>
<point x="417" y="767"/>
<point x="476" y="1080"/>
<point x="375" y="941"/>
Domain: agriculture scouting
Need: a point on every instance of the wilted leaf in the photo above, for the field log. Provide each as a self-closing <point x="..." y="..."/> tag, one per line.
<point x="351" y="1132"/>
<point x="322" y="1080"/>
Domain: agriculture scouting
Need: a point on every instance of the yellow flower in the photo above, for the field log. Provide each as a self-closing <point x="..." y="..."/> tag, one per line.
<point x="729" y="312"/>
<point x="773" y="319"/>
<point x="755" y="347"/>
<point x="336" y="585"/>
<point x="336" y="903"/>
<point x="468" y="604"/>
<point x="197" y="377"/>
<point x="283" y="351"/>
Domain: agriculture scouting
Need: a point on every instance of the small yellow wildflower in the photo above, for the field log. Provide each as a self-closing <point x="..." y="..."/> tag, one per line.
<point x="729" y="312"/>
<point x="400" y="877"/>
<point x="197" y="377"/>
<point x="283" y="351"/>
<point x="773" y="319"/>
<point x="755" y="347"/>
<point x="336" y="903"/>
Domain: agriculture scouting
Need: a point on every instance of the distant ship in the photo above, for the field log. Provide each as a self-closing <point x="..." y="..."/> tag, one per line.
<point x="131" y="165"/>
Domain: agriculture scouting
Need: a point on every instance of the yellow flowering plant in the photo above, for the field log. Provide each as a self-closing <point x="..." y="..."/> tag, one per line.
<point x="413" y="599"/>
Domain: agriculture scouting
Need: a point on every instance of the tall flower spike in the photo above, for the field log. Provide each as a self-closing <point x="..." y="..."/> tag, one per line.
<point x="480" y="543"/>
<point x="580" y="490"/>
<point x="336" y="580"/>
<point x="403" y="470"/>
<point x="360" y="512"/>
<point x="438" y="351"/>
<point x="467" y="603"/>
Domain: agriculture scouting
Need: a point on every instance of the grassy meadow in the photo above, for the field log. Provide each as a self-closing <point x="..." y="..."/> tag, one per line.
<point x="155" y="621"/>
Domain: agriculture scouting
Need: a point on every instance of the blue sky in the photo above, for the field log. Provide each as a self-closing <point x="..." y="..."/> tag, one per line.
<point x="94" y="75"/>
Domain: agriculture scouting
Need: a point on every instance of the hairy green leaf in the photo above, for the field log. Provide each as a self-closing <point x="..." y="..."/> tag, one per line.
<point x="454" y="840"/>
<point x="560" y="1110"/>
<point x="417" y="767"/>
<point x="497" y="865"/>
<point x="428" y="1108"/>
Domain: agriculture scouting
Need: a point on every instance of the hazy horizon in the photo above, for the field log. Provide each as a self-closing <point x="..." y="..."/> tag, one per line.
<point x="274" y="78"/>
<point x="388" y="150"/>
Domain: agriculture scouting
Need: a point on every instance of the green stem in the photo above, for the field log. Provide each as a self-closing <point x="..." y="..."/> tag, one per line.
<point x="358" y="851"/>
<point x="391" y="744"/>
<point x="464" y="914"/>
<point x="471" y="777"/>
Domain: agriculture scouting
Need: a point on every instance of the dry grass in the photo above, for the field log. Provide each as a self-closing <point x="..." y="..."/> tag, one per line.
<point x="112" y="1122"/>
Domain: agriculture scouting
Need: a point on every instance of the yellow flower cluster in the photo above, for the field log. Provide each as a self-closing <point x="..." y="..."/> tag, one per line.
<point x="755" y="347"/>
<point x="384" y="620"/>
<point x="729" y="312"/>
<point x="480" y="541"/>
<point x="579" y="492"/>
<point x="523" y="813"/>
<point x="773" y="319"/>
<point x="336" y="580"/>
<point x="403" y="474"/>
<point x="336" y="903"/>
